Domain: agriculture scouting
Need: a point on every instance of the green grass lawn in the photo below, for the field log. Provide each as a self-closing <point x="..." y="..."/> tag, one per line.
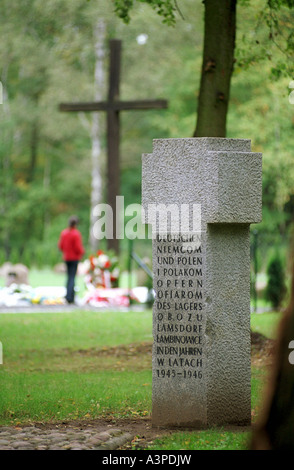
<point x="85" y="365"/>
<point x="53" y="370"/>
<point x="214" y="439"/>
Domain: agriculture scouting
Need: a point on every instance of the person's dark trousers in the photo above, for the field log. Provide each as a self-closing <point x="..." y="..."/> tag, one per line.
<point x="72" y="267"/>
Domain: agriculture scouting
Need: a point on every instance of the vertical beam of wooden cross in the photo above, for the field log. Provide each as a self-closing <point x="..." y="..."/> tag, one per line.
<point x="113" y="106"/>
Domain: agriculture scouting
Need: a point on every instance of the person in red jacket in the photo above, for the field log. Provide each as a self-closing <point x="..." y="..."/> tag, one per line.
<point x="71" y="245"/>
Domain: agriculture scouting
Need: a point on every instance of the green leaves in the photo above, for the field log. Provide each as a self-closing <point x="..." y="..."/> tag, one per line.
<point x="166" y="9"/>
<point x="123" y="8"/>
<point x="269" y="37"/>
<point x="276" y="4"/>
<point x="276" y="287"/>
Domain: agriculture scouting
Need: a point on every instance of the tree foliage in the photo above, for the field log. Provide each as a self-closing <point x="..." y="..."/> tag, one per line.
<point x="47" y="57"/>
<point x="276" y="287"/>
<point x="165" y="8"/>
<point x="272" y="39"/>
<point x="219" y="50"/>
<point x="274" y="14"/>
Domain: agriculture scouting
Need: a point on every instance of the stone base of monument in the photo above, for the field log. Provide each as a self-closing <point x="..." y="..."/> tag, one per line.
<point x="201" y="265"/>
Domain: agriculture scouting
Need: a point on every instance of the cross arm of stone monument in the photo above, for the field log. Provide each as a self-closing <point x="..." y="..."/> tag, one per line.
<point x="222" y="175"/>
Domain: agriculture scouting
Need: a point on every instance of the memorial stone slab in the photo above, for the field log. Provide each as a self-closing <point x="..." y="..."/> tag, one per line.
<point x="200" y="196"/>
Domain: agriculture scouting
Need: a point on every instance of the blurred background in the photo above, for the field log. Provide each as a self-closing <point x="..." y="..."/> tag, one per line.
<point x="48" y="55"/>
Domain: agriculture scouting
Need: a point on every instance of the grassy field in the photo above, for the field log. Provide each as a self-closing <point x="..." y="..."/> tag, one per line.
<point x="86" y="365"/>
<point x="67" y="365"/>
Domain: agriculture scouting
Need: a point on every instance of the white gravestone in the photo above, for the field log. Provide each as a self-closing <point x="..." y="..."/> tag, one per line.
<point x="212" y="190"/>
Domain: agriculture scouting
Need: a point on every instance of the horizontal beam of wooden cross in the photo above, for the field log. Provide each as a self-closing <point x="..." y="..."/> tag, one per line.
<point x="114" y="106"/>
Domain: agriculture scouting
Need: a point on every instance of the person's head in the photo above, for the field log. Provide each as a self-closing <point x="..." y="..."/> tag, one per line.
<point x="73" y="221"/>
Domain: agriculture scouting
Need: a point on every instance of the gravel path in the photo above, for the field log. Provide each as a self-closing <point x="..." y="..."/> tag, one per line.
<point x="67" y="438"/>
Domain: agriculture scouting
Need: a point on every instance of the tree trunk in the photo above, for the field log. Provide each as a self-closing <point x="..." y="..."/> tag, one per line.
<point x="99" y="81"/>
<point x="113" y="140"/>
<point x="217" y="67"/>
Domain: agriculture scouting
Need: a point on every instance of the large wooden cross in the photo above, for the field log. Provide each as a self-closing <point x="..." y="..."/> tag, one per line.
<point x="113" y="106"/>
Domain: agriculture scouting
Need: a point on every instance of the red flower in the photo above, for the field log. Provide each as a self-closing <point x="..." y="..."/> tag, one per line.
<point x="107" y="264"/>
<point x="99" y="252"/>
<point x="92" y="262"/>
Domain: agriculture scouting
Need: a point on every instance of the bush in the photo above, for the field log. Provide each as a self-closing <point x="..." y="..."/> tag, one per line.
<point x="276" y="288"/>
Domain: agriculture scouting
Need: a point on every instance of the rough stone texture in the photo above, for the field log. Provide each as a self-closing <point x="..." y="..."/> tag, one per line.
<point x="211" y="385"/>
<point x="228" y="324"/>
<point x="178" y="398"/>
<point x="227" y="183"/>
<point x="72" y="438"/>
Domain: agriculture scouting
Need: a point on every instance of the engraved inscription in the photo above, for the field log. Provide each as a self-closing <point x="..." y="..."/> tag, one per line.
<point x="178" y="328"/>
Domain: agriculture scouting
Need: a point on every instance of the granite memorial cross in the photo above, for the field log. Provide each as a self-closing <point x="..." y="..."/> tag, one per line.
<point x="210" y="192"/>
<point x="113" y="106"/>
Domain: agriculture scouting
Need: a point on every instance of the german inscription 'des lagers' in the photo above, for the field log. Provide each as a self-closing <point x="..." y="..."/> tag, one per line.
<point x="178" y="284"/>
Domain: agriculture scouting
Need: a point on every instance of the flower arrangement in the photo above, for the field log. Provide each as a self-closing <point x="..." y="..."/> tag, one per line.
<point x="102" y="271"/>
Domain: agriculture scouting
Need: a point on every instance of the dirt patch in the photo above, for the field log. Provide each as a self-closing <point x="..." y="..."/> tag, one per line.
<point x="262" y="351"/>
<point x="260" y="344"/>
<point x="138" y="356"/>
<point x="124" y="350"/>
<point x="134" y="357"/>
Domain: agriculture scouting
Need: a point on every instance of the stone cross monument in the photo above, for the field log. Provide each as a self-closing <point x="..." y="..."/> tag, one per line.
<point x="200" y="196"/>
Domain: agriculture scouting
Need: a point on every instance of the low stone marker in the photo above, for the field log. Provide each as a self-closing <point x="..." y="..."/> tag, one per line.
<point x="200" y="195"/>
<point x="15" y="274"/>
